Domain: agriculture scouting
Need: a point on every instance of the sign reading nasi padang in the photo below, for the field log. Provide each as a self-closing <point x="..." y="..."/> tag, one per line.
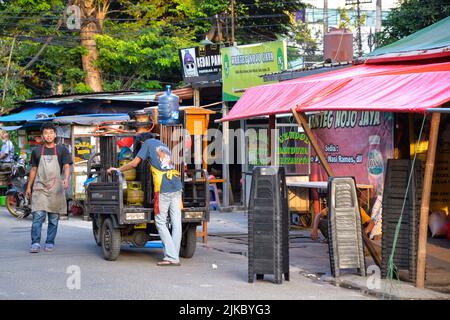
<point x="355" y="143"/>
<point x="201" y="63"/>
<point x="243" y="66"/>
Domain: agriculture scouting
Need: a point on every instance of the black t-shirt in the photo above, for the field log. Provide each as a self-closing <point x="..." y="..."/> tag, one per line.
<point x="64" y="156"/>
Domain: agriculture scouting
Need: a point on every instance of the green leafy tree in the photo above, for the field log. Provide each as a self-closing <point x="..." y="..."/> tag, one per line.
<point x="264" y="20"/>
<point x="411" y="16"/>
<point x="122" y="44"/>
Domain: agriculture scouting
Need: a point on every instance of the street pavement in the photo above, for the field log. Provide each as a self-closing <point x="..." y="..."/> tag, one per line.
<point x="218" y="269"/>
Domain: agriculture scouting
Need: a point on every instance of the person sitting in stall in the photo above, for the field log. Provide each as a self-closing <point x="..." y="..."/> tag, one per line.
<point x="7" y="151"/>
<point x="320" y="222"/>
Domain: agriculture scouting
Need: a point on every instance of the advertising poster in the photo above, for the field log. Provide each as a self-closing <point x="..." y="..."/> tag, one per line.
<point x="244" y="65"/>
<point x="355" y="143"/>
<point x="201" y="63"/>
<point x="83" y="148"/>
<point x="293" y="150"/>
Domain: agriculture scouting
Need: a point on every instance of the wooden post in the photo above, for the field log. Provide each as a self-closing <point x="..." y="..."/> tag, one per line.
<point x="271" y="139"/>
<point x="425" y="205"/>
<point x="412" y="142"/>
<point x="225" y="158"/>
<point x="302" y="121"/>
<point x="197" y="97"/>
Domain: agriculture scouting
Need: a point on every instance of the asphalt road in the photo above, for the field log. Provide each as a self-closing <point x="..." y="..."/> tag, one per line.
<point x="213" y="272"/>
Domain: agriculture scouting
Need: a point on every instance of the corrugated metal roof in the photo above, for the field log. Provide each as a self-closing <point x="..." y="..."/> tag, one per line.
<point x="433" y="41"/>
<point x="33" y="113"/>
<point x="138" y="96"/>
<point x="303" y="72"/>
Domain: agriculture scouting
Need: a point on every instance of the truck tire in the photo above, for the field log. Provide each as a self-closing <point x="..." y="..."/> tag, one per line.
<point x="189" y="242"/>
<point x="111" y="240"/>
<point x="96" y="232"/>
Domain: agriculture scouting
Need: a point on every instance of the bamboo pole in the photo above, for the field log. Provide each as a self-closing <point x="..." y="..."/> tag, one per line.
<point x="301" y="120"/>
<point x="425" y="205"/>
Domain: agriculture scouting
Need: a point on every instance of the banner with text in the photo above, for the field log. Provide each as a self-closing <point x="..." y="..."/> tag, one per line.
<point x="244" y="65"/>
<point x="355" y="143"/>
<point x="202" y="63"/>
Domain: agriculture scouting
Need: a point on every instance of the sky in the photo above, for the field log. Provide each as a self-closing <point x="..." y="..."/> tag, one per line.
<point x="333" y="4"/>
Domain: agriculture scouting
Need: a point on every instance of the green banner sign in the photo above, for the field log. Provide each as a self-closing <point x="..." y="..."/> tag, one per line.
<point x="243" y="66"/>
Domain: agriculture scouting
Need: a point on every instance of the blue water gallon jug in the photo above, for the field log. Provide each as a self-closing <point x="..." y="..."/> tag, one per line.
<point x="168" y="108"/>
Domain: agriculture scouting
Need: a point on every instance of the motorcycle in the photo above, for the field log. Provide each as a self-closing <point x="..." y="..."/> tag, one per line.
<point x="16" y="201"/>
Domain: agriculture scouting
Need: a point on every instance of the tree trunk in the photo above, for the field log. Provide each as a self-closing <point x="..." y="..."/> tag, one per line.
<point x="93" y="77"/>
<point x="91" y="23"/>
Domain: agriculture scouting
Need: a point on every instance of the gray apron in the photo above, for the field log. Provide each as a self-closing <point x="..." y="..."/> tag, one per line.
<point x="48" y="190"/>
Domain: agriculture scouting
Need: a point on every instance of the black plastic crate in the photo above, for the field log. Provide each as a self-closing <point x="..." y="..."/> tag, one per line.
<point x="268" y="225"/>
<point x="345" y="241"/>
<point x="396" y="180"/>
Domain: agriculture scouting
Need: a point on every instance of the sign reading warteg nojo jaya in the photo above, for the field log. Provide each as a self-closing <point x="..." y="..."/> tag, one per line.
<point x="244" y="65"/>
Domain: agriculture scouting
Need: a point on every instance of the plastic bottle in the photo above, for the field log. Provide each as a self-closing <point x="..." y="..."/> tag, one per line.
<point x="168" y="106"/>
<point x="375" y="164"/>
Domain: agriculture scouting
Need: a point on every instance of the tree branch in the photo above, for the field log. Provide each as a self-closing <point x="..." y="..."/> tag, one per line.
<point x="36" y="57"/>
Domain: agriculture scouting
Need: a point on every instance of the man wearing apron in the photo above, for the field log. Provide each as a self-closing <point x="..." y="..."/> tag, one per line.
<point x="46" y="187"/>
<point x="167" y="188"/>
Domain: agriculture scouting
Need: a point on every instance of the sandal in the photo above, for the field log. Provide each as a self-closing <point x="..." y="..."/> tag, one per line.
<point x="35" y="248"/>
<point x="164" y="263"/>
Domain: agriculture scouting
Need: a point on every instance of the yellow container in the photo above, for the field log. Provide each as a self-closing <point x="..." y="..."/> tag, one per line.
<point x="129" y="175"/>
<point x="135" y="197"/>
<point x="134" y="185"/>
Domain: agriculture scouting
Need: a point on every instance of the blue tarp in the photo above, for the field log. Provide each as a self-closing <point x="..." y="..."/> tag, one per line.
<point x="10" y="128"/>
<point x="31" y="113"/>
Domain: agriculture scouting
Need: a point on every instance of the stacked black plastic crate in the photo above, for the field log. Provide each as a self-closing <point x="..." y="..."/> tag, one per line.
<point x="395" y="191"/>
<point x="268" y="225"/>
<point x="345" y="241"/>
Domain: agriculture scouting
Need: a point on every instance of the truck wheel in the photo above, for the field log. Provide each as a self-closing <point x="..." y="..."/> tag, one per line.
<point x="111" y="240"/>
<point x="189" y="242"/>
<point x="96" y="232"/>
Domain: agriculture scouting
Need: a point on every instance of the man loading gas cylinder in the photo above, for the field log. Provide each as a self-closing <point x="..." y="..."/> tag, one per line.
<point x="167" y="188"/>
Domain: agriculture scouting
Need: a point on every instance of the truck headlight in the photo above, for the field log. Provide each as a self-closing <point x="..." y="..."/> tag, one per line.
<point x="135" y="216"/>
<point x="193" y="215"/>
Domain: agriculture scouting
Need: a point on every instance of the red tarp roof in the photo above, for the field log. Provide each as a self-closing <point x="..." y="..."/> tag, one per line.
<point x="390" y="88"/>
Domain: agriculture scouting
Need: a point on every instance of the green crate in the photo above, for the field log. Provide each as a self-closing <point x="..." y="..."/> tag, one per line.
<point x="3" y="201"/>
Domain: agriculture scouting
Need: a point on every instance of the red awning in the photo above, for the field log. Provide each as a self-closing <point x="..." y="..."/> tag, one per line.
<point x="390" y="88"/>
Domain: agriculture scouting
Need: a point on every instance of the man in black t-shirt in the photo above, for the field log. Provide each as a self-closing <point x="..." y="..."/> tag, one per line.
<point x="64" y="157"/>
<point x="48" y="196"/>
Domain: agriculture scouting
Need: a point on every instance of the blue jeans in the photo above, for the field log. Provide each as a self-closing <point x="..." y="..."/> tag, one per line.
<point x="36" y="227"/>
<point x="170" y="203"/>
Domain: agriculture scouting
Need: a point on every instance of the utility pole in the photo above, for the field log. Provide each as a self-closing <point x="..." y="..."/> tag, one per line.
<point x="325" y="17"/>
<point x="232" y="22"/>
<point x="219" y="32"/>
<point x="358" y="21"/>
<point x="358" y="17"/>
<point x="378" y="16"/>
